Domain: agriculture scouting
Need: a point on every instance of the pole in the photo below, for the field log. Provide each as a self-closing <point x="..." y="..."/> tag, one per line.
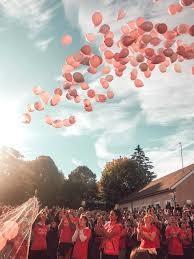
<point x="182" y="156"/>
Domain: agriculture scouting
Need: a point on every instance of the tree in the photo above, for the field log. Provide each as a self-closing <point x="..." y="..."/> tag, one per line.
<point x="80" y="185"/>
<point x="144" y="165"/>
<point x="48" y="180"/>
<point x="119" y="179"/>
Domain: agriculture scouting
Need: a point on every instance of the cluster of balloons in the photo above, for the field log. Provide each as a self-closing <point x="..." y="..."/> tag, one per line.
<point x="8" y="232"/>
<point x="141" y="48"/>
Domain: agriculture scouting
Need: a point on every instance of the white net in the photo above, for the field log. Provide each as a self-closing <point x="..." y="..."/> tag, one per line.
<point x="15" y="230"/>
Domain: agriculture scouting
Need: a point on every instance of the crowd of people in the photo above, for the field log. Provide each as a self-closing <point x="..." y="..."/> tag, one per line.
<point x="119" y="234"/>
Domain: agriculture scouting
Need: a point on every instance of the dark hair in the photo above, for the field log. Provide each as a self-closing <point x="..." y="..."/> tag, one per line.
<point x="85" y="218"/>
<point x="139" y="254"/>
<point x="118" y="214"/>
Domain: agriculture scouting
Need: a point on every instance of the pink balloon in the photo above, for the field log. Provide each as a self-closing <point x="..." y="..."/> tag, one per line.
<point x="143" y="67"/>
<point x="90" y="37"/>
<point x="157" y="59"/>
<point x="149" y="52"/>
<point x="109" y="78"/>
<point x="88" y="108"/>
<point x="55" y="99"/>
<point x="58" y="91"/>
<point x="104" y="83"/>
<point x="10" y="229"/>
<point x="191" y="30"/>
<point x="78" y="77"/>
<point x="155" y="41"/>
<point x="66" y="40"/>
<point x="108" y="54"/>
<point x="138" y="83"/>
<point x="133" y="74"/>
<point x="70" y="60"/>
<point x="104" y="29"/>
<point x="140" y="21"/>
<point x="106" y="70"/>
<point x="84" y="86"/>
<point x="183" y="28"/>
<point x="92" y="70"/>
<point x="147" y="74"/>
<point x="86" y="50"/>
<point x="101" y="98"/>
<point x="161" y="28"/>
<point x="127" y="41"/>
<point x="73" y="92"/>
<point x="146" y="26"/>
<point x="146" y="38"/>
<point x="57" y="124"/>
<point x="66" y="123"/>
<point x="172" y="9"/>
<point x="3" y="242"/>
<point x="91" y="93"/>
<point x="121" y="14"/>
<point x="68" y="76"/>
<point x="26" y="118"/>
<point x="168" y="52"/>
<point x="110" y="94"/>
<point x="162" y="68"/>
<point x="37" y="90"/>
<point x="97" y="18"/>
<point x="124" y="53"/>
<point x="177" y="68"/>
<point x="186" y="2"/>
<point x="72" y="120"/>
<point x="48" y="120"/>
<point x="109" y="42"/>
<point x="192" y="69"/>
<point x="140" y="58"/>
<point x="30" y="108"/>
<point x="38" y="106"/>
<point x="95" y="61"/>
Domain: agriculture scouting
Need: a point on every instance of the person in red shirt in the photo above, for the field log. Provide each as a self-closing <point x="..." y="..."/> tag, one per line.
<point x="146" y="233"/>
<point x="111" y="233"/>
<point x="81" y="239"/>
<point x="66" y="230"/>
<point x="187" y="240"/>
<point x="174" y="236"/>
<point x="39" y="232"/>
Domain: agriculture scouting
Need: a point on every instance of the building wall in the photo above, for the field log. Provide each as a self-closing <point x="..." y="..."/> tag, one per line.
<point x="185" y="190"/>
<point x="160" y="199"/>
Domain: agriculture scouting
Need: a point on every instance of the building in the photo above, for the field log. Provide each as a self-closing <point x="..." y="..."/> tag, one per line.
<point x="177" y="187"/>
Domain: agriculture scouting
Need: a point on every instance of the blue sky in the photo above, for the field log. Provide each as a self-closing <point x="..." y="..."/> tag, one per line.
<point x="157" y="116"/>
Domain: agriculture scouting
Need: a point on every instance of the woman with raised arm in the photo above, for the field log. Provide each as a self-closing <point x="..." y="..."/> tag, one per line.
<point x="66" y="229"/>
<point x="111" y="234"/>
<point x="146" y="234"/>
<point x="81" y="239"/>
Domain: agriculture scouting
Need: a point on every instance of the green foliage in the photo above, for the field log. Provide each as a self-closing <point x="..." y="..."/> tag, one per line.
<point x="121" y="177"/>
<point x="80" y="185"/>
<point x="144" y="164"/>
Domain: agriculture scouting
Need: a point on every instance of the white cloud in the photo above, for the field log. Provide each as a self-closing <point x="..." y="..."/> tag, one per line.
<point x="44" y="44"/>
<point x="167" y="155"/>
<point x="33" y="14"/>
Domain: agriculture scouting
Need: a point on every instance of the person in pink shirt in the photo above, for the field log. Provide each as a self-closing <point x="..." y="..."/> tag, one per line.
<point x="66" y="231"/>
<point x="174" y="236"/>
<point x="39" y="245"/>
<point x="147" y="234"/>
<point x="111" y="233"/>
<point x="81" y="239"/>
<point x="187" y="240"/>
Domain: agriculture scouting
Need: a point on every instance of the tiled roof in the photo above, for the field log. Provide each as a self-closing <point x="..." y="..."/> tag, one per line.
<point x="160" y="185"/>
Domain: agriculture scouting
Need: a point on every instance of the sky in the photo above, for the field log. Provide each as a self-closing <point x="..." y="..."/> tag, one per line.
<point x="158" y="116"/>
